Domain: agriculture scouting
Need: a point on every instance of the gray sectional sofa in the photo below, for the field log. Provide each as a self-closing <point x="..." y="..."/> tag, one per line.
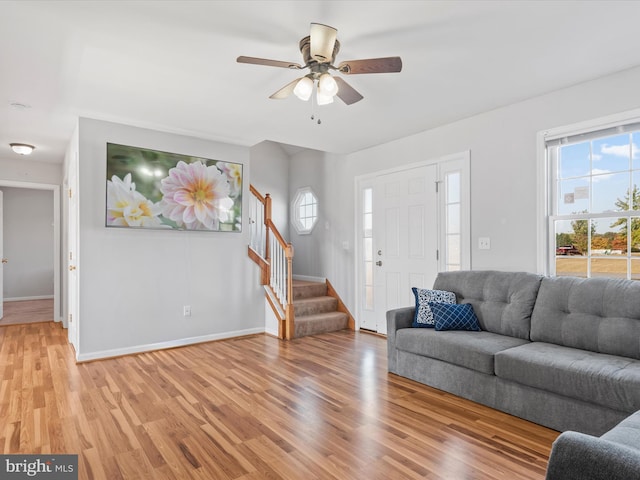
<point x="562" y="352"/>
<point x="613" y="456"/>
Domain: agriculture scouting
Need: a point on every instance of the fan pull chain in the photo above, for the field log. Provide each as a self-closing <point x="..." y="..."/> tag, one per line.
<point x="313" y="103"/>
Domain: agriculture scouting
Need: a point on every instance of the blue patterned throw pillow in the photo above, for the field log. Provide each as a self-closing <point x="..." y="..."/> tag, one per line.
<point x="454" y="317"/>
<point x="423" y="316"/>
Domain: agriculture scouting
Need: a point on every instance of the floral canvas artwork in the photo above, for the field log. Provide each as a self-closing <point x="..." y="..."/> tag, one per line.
<point x="160" y="190"/>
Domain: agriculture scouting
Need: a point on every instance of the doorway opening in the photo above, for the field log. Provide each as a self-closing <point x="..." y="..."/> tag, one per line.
<point x="26" y="305"/>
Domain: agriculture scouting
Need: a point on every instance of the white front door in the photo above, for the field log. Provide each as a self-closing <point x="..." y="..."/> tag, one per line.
<point x="4" y="260"/>
<point x="411" y="224"/>
<point x="402" y="246"/>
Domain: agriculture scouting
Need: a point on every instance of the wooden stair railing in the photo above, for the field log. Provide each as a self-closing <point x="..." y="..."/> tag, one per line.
<point x="274" y="256"/>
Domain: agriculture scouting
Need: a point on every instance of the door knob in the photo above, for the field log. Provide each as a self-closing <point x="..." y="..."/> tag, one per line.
<point x="72" y="268"/>
<point x="4" y="260"/>
<point x="379" y="263"/>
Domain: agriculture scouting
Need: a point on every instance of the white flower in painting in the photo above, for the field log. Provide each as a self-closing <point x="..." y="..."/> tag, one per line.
<point x="196" y="196"/>
<point x="234" y="174"/>
<point x="128" y="208"/>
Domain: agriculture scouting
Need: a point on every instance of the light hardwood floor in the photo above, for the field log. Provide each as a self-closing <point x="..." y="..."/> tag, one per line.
<point x="320" y="407"/>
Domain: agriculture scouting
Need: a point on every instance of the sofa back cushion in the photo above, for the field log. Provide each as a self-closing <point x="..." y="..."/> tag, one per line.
<point x="597" y="314"/>
<point x="502" y="301"/>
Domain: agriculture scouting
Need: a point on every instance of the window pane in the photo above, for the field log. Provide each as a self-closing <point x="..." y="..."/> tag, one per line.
<point x="635" y="237"/>
<point x="635" y="269"/>
<point x="635" y="188"/>
<point x="609" y="237"/>
<point x="573" y="196"/>
<point x="368" y="249"/>
<point x="609" y="267"/>
<point x="608" y="190"/>
<point x="368" y="224"/>
<point x="453" y="218"/>
<point x="368" y="298"/>
<point x="368" y="273"/>
<point x="571" y="266"/>
<point x="574" y="160"/>
<point x="571" y="237"/>
<point x="453" y="187"/>
<point x="368" y="200"/>
<point x="453" y="249"/>
<point x="635" y="139"/>
<point x="611" y="154"/>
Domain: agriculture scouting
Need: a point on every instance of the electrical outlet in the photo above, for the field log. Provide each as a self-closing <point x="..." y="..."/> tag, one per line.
<point x="484" y="243"/>
<point x="186" y="310"/>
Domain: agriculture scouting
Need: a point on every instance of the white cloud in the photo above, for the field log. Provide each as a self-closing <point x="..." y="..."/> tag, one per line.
<point x="599" y="175"/>
<point x="620" y="150"/>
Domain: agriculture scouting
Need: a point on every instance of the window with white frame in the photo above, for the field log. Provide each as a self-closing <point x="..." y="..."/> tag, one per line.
<point x="305" y="210"/>
<point x="594" y="202"/>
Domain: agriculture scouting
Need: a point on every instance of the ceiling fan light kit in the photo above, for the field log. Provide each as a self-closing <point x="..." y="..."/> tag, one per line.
<point x="319" y="51"/>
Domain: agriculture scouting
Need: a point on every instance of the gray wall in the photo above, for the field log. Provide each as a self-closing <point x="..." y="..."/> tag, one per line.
<point x="270" y="174"/>
<point x="28" y="243"/>
<point x="503" y="176"/>
<point x="134" y="283"/>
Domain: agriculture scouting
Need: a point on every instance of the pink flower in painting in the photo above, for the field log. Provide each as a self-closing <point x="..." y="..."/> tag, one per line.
<point x="196" y="196"/>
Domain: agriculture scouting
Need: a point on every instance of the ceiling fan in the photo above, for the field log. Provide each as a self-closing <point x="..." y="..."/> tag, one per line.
<point x="319" y="52"/>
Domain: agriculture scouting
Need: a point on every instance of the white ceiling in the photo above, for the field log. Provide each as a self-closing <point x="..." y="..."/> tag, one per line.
<point x="171" y="65"/>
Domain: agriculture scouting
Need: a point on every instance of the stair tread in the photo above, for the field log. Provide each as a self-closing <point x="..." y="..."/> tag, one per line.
<point x="325" y="298"/>
<point x="320" y="316"/>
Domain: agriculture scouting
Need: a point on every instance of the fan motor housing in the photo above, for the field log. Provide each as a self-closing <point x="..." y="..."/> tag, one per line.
<point x="309" y="61"/>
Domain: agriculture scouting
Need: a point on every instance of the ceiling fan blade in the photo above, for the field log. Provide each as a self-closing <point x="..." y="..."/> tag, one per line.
<point x="346" y="92"/>
<point x="285" y="91"/>
<point x="269" y="63"/>
<point x="371" y="65"/>
<point x="323" y="40"/>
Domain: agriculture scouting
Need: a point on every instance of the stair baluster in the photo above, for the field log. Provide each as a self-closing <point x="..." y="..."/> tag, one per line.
<point x="274" y="256"/>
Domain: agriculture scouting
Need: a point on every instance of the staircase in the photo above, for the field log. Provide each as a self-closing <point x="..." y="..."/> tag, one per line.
<point x="300" y="307"/>
<point x="315" y="311"/>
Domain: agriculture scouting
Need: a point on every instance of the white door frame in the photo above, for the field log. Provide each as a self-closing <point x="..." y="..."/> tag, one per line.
<point x="55" y="189"/>
<point x="362" y="180"/>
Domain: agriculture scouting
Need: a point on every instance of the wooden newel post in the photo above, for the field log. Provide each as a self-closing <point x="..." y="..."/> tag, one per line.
<point x="289" y="314"/>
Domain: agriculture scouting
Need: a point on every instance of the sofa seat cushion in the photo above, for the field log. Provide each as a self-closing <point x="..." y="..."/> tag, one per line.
<point x="626" y="432"/>
<point x="607" y="380"/>
<point x="473" y="350"/>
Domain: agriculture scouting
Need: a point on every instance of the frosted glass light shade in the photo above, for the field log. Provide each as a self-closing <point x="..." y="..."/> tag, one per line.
<point x="324" y="99"/>
<point x="304" y="88"/>
<point x="327" y="85"/>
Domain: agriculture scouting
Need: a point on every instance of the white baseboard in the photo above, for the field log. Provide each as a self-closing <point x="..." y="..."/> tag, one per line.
<point x="307" y="278"/>
<point x="20" y="299"/>
<point x="118" y="352"/>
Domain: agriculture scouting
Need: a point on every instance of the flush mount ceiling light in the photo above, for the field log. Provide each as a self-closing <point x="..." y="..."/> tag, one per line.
<point x="319" y="51"/>
<point x="22" y="148"/>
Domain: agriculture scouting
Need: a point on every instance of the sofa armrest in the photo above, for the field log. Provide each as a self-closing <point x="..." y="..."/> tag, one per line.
<point x="396" y="319"/>
<point x="576" y="456"/>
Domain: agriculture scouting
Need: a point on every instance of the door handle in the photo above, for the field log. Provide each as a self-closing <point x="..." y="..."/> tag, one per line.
<point x="379" y="263"/>
<point x="4" y="260"/>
